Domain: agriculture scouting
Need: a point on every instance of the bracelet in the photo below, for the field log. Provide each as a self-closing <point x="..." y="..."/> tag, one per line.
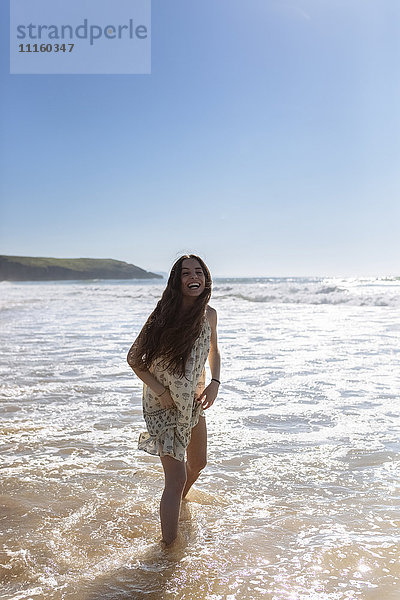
<point x="217" y="380"/>
<point x="162" y="393"/>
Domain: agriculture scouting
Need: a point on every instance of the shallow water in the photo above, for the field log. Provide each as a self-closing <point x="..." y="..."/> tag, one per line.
<point x="301" y="496"/>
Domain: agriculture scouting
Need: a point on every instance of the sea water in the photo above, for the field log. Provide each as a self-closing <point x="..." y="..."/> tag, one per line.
<point x="301" y="496"/>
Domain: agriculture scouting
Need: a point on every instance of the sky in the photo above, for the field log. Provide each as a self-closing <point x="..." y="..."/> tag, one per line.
<point x="266" y="139"/>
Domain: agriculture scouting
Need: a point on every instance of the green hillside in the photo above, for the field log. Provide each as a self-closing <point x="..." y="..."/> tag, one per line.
<point x="29" y="268"/>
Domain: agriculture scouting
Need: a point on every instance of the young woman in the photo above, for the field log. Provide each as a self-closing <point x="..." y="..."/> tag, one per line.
<point x="169" y="355"/>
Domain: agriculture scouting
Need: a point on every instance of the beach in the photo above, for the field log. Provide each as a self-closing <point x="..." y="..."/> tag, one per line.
<point x="300" y="499"/>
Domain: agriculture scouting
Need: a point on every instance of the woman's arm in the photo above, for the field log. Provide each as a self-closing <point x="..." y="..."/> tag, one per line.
<point x="214" y="360"/>
<point x="148" y="378"/>
<point x="214" y="357"/>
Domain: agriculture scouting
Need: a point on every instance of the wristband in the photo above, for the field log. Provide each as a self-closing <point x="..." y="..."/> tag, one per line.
<point x="217" y="380"/>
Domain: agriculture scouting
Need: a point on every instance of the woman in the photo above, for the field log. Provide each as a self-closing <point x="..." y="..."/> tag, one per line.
<point x="169" y="356"/>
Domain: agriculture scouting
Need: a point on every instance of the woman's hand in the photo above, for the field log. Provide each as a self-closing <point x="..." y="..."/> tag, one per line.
<point x="209" y="394"/>
<point x="165" y="399"/>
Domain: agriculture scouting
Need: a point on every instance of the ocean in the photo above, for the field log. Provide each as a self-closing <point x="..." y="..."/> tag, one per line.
<point x="300" y="499"/>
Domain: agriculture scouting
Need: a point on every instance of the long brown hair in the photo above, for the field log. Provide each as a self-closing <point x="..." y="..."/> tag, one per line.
<point x="169" y="333"/>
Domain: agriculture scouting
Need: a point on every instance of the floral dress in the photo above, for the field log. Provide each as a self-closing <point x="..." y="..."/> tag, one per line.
<point x="169" y="429"/>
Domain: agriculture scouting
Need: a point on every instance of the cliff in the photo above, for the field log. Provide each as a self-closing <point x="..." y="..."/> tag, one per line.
<point x="27" y="268"/>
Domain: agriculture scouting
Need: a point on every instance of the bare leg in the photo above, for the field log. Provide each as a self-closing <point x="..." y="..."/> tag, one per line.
<point x="175" y="480"/>
<point x="196" y="454"/>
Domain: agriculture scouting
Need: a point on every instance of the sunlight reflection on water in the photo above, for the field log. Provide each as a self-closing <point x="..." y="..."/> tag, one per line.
<point x="300" y="499"/>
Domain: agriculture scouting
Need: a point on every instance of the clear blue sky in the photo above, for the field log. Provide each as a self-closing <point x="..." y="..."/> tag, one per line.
<point x="266" y="139"/>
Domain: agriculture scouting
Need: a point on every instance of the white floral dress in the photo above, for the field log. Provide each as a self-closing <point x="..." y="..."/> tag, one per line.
<point x="169" y="429"/>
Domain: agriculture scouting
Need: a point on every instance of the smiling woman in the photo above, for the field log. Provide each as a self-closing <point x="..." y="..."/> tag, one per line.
<point x="193" y="280"/>
<point x="169" y="357"/>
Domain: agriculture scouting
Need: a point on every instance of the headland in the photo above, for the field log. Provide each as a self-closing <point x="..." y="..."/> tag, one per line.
<point x="29" y="268"/>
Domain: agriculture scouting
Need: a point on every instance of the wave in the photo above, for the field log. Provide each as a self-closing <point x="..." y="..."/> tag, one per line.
<point x="310" y="300"/>
<point x="312" y="292"/>
<point x="315" y="291"/>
